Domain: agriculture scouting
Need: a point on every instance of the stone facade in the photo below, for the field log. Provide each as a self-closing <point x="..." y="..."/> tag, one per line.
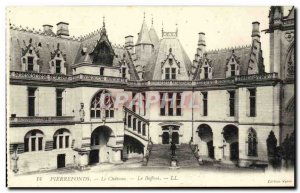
<point x="237" y="104"/>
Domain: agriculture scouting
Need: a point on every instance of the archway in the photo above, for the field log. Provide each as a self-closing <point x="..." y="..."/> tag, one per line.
<point x="132" y="148"/>
<point x="100" y="150"/>
<point x="231" y="142"/>
<point x="206" y="145"/>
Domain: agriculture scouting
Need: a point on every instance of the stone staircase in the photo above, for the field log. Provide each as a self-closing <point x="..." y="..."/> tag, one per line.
<point x="161" y="156"/>
<point x="185" y="156"/>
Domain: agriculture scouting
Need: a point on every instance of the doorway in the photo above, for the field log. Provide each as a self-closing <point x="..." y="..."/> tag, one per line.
<point x="61" y="160"/>
<point x="165" y="138"/>
<point x="210" y="147"/>
<point x="94" y="156"/>
<point x="175" y="137"/>
<point x="234" y="151"/>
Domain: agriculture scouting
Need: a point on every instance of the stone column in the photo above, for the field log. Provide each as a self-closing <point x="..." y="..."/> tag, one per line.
<point x="218" y="145"/>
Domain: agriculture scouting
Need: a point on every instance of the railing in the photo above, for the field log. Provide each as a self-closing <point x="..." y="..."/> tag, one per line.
<point x="32" y="120"/>
<point x="256" y="77"/>
<point x="139" y="127"/>
<point x="119" y="80"/>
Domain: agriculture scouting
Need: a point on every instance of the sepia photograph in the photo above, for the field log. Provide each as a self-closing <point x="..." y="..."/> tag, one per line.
<point x="150" y="96"/>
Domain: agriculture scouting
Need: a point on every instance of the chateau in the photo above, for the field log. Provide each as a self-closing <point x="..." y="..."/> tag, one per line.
<point x="236" y="113"/>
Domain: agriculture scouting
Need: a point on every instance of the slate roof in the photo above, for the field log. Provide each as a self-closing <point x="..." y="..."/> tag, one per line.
<point x="153" y="68"/>
<point x="144" y="36"/>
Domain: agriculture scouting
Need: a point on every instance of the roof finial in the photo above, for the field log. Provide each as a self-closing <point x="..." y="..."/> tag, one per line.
<point x="144" y="15"/>
<point x="162" y="28"/>
<point x="103" y="21"/>
<point x="152" y="19"/>
<point x="176" y="28"/>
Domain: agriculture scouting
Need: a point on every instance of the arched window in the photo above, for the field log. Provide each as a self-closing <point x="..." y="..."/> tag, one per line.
<point x="33" y="141"/>
<point x="61" y="139"/>
<point x="102" y="105"/>
<point x="252" y="143"/>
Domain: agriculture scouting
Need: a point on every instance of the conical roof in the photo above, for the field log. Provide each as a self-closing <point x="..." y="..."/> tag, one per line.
<point x="144" y="36"/>
<point x="153" y="36"/>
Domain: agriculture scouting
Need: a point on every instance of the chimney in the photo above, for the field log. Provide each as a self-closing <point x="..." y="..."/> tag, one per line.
<point x="255" y="31"/>
<point x="47" y="27"/>
<point x="129" y="41"/>
<point x="201" y="44"/>
<point x="62" y="29"/>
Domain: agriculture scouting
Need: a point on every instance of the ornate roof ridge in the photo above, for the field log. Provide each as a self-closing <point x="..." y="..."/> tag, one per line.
<point x="90" y="35"/>
<point x="39" y="32"/>
<point x="229" y="48"/>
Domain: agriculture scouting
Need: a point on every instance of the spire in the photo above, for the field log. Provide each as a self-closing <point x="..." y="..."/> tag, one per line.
<point x="144" y="37"/>
<point x="103" y="26"/>
<point x="153" y="35"/>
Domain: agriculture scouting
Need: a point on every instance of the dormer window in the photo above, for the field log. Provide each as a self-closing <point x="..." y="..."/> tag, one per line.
<point x="205" y="69"/>
<point x="101" y="71"/>
<point x="232" y="69"/>
<point x="58" y="66"/>
<point x="123" y="72"/>
<point x="232" y="66"/>
<point x="29" y="59"/>
<point x="205" y="72"/>
<point x="30" y="64"/>
<point x="58" y="62"/>
<point x="170" y="74"/>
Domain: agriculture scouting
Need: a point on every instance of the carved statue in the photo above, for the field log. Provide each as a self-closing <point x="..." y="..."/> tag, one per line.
<point x="81" y="112"/>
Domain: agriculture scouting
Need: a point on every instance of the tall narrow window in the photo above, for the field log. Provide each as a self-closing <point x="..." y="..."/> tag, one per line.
<point x="101" y="71"/>
<point x="144" y="129"/>
<point x="205" y="72"/>
<point x="252" y="101"/>
<point x="231" y="103"/>
<point x="134" y="100"/>
<point x="129" y="121"/>
<point x="162" y="105"/>
<point x="57" y="66"/>
<point x="30" y="63"/>
<point x="139" y="126"/>
<point x="204" y="103"/>
<point x="232" y="69"/>
<point x="59" y="99"/>
<point x="123" y="72"/>
<point x="252" y="143"/>
<point x="167" y="74"/>
<point x="170" y="104"/>
<point x="134" y="124"/>
<point x="173" y="73"/>
<point x="178" y="105"/>
<point x="31" y="101"/>
<point x="144" y="103"/>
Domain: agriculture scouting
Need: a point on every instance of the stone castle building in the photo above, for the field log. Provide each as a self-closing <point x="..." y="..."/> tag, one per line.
<point x="56" y="83"/>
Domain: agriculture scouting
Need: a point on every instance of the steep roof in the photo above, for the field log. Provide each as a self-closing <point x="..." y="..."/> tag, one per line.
<point x="153" y="68"/>
<point x="219" y="60"/>
<point x="153" y="36"/>
<point x="44" y="43"/>
<point x="144" y="36"/>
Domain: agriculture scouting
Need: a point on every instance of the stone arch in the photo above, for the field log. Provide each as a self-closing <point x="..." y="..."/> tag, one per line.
<point x="289" y="63"/>
<point x="133" y="147"/>
<point x="102" y="107"/>
<point x="102" y="141"/>
<point x="62" y="138"/>
<point x="206" y="148"/>
<point x="231" y="142"/>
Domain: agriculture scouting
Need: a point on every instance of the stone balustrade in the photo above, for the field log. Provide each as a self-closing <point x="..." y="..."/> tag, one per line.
<point x="43" y="119"/>
<point x="18" y="75"/>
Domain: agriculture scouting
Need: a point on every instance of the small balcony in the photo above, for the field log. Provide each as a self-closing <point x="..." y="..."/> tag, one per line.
<point x="23" y="121"/>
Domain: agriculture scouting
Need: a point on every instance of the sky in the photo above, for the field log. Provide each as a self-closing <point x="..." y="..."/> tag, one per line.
<point x="225" y="27"/>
